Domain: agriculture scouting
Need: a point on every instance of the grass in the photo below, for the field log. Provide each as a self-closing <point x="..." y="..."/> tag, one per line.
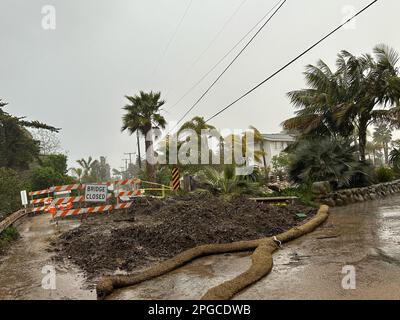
<point x="7" y="237"/>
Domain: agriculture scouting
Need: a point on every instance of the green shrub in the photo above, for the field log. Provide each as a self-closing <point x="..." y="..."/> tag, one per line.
<point x="327" y="159"/>
<point x="45" y="177"/>
<point x="11" y="183"/>
<point x="303" y="192"/>
<point x="384" y="174"/>
<point x="7" y="236"/>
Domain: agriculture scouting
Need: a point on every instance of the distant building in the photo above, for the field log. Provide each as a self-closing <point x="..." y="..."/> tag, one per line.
<point x="274" y="144"/>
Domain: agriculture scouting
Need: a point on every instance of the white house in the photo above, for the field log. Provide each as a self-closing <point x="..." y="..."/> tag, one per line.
<point x="274" y="144"/>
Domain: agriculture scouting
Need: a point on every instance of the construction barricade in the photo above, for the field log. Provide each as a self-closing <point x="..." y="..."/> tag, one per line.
<point x="59" y="201"/>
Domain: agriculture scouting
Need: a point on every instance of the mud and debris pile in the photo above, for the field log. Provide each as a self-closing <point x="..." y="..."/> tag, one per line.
<point x="163" y="228"/>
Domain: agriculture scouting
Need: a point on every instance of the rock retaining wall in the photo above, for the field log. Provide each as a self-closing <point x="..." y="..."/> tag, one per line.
<point x="349" y="196"/>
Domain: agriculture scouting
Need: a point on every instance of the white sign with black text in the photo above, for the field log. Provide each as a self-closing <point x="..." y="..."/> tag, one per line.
<point x="95" y="193"/>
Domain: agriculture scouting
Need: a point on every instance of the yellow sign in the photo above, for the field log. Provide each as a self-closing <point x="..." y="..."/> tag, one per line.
<point x="176" y="179"/>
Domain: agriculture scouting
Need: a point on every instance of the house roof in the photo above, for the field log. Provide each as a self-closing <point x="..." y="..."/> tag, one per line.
<point x="284" y="137"/>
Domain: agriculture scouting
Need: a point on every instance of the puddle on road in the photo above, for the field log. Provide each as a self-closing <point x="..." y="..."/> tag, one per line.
<point x="365" y="235"/>
<point x="21" y="268"/>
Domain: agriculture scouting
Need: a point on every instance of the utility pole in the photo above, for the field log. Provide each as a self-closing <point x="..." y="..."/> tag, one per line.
<point x="130" y="156"/>
<point x="126" y="164"/>
<point x="138" y="147"/>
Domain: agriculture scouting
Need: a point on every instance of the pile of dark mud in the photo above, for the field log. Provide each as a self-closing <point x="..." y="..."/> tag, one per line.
<point x="160" y="229"/>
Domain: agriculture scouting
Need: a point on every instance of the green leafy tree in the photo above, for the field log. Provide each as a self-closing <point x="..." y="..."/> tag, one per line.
<point x="18" y="149"/>
<point x="363" y="90"/>
<point x="100" y="170"/>
<point x="56" y="161"/>
<point x="52" y="172"/>
<point x="143" y="114"/>
<point x="11" y="183"/>
<point x="280" y="164"/>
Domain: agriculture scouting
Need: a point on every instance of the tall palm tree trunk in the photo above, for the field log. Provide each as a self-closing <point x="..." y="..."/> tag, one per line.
<point x="386" y="151"/>
<point x="150" y="168"/>
<point x="138" y="147"/>
<point x="362" y="136"/>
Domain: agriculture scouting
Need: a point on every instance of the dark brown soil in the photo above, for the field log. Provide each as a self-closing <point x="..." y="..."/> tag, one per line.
<point x="164" y="228"/>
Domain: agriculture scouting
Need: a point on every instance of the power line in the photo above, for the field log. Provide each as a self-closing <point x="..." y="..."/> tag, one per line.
<point x="172" y="37"/>
<point x="229" y="65"/>
<point x="291" y="62"/>
<point x="215" y="37"/>
<point x="224" y="57"/>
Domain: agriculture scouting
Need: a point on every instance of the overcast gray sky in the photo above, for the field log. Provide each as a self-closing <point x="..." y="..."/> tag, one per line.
<point x="75" y="77"/>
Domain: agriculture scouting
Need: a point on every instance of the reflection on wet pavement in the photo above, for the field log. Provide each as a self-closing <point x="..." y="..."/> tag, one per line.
<point x="21" y="268"/>
<point x="365" y="235"/>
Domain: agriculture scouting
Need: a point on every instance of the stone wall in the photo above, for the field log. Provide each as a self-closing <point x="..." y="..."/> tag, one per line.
<point x="349" y="196"/>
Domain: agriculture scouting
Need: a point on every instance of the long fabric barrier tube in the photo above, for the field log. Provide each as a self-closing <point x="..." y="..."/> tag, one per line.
<point x="261" y="262"/>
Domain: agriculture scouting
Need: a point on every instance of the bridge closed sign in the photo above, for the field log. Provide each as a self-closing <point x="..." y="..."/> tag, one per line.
<point x="95" y="193"/>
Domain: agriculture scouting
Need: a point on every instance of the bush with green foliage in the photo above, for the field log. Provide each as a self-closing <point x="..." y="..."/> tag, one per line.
<point x="303" y="192"/>
<point x="226" y="182"/>
<point x="11" y="183"/>
<point x="58" y="162"/>
<point x="280" y="164"/>
<point x="7" y="236"/>
<point x="328" y="159"/>
<point x="45" y="177"/>
<point x="384" y="174"/>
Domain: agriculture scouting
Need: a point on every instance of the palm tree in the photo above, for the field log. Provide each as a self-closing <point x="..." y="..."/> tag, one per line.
<point x="197" y="124"/>
<point x="394" y="158"/>
<point x="371" y="149"/>
<point x="143" y="115"/>
<point x="259" y="140"/>
<point x="86" y="165"/>
<point x="78" y="172"/>
<point x="363" y="90"/>
<point x="226" y="182"/>
<point x="326" y="159"/>
<point x="240" y="141"/>
<point x="383" y="136"/>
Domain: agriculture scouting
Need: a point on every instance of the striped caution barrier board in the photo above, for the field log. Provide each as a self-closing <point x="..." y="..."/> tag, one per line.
<point x="53" y="204"/>
<point x="131" y="193"/>
<point x="123" y="205"/>
<point x="176" y="179"/>
<point x="59" y="201"/>
<point x="38" y="193"/>
<point x="73" y="212"/>
<point x="42" y="200"/>
<point x="40" y="209"/>
<point x="124" y="182"/>
<point x="105" y="208"/>
<point x="68" y="187"/>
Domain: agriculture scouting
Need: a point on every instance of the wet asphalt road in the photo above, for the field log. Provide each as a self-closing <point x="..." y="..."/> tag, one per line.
<point x="366" y="236"/>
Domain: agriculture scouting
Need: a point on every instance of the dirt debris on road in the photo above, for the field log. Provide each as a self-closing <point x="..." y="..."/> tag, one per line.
<point x="125" y="241"/>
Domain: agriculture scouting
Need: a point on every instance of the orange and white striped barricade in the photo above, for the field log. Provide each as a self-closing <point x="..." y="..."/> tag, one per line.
<point x="79" y="211"/>
<point x="42" y="200"/>
<point x="124" y="182"/>
<point x="68" y="187"/>
<point x="131" y="193"/>
<point x="39" y="193"/>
